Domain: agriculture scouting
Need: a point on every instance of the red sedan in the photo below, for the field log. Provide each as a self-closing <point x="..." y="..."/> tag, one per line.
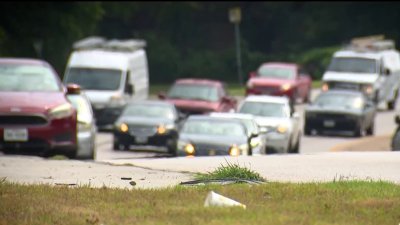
<point x="280" y="79"/>
<point x="34" y="111"/>
<point x="199" y="96"/>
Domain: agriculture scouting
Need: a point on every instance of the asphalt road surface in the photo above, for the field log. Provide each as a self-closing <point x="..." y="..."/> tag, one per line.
<point x="321" y="158"/>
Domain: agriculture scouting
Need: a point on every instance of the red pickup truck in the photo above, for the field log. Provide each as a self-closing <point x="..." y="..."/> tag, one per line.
<point x="280" y="79"/>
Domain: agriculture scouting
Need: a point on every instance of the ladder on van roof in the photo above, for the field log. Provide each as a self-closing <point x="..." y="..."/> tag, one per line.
<point x="371" y="43"/>
<point x="111" y="45"/>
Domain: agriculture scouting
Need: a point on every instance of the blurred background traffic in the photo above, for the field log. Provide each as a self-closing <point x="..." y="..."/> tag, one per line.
<point x="195" y="78"/>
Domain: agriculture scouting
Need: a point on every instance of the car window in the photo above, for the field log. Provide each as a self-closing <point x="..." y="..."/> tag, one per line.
<point x="355" y="65"/>
<point x="195" y="92"/>
<point x="147" y="110"/>
<point x="94" y="79"/>
<point x="32" y="78"/>
<point x="251" y="126"/>
<point x="340" y="100"/>
<point x="266" y="109"/>
<point x="212" y="127"/>
<point x="276" y="72"/>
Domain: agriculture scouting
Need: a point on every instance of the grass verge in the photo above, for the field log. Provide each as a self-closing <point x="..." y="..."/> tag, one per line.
<point x="231" y="171"/>
<point x="341" y="202"/>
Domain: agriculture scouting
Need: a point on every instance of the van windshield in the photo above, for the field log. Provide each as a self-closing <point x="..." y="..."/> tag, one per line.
<point x="94" y="79"/>
<point x="354" y="65"/>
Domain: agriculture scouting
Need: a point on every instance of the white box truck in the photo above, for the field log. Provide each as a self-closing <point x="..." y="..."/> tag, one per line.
<point x="369" y="64"/>
<point x="111" y="73"/>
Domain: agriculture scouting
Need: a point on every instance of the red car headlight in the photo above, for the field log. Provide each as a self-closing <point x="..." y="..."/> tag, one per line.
<point x="61" y="111"/>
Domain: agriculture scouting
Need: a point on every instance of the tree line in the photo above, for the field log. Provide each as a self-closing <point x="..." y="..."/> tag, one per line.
<point x="196" y="39"/>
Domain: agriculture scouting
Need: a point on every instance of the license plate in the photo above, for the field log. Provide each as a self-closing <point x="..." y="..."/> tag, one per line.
<point x="329" y="123"/>
<point x="16" y="134"/>
<point x="211" y="152"/>
<point x="141" y="139"/>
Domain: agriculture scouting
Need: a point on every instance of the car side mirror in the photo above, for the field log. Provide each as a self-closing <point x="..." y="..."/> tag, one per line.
<point x="253" y="135"/>
<point x="252" y="74"/>
<point x="161" y="95"/>
<point x="129" y="89"/>
<point x="397" y="119"/>
<point x="73" y="89"/>
<point x="386" y="71"/>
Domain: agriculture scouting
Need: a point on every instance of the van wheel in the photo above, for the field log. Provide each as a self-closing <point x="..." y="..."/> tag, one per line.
<point x="371" y="128"/>
<point x="392" y="104"/>
<point x="396" y="141"/>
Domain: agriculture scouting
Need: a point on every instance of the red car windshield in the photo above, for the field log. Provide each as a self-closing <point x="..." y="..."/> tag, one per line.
<point x="194" y="92"/>
<point x="27" y="78"/>
<point x="276" y="72"/>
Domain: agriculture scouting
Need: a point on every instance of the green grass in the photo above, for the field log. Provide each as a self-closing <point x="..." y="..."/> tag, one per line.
<point x="343" y="202"/>
<point x="231" y="171"/>
<point x="234" y="89"/>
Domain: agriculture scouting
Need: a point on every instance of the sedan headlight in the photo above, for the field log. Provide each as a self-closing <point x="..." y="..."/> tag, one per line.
<point x="123" y="127"/>
<point x="116" y="100"/>
<point x="369" y="89"/>
<point x="189" y="149"/>
<point x="282" y="128"/>
<point x="249" y="84"/>
<point x="325" y="87"/>
<point x="235" y="150"/>
<point x="61" y="111"/>
<point x="162" y="129"/>
<point x="286" y="87"/>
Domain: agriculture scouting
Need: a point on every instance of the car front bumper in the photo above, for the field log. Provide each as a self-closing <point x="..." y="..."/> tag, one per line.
<point x="59" y="134"/>
<point x="276" y="142"/>
<point x="154" y="141"/>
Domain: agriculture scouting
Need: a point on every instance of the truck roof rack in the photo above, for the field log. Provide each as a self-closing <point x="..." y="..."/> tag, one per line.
<point x="111" y="45"/>
<point x="371" y="43"/>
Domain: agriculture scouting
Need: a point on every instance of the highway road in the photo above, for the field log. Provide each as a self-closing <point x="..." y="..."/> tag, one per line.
<point x="319" y="160"/>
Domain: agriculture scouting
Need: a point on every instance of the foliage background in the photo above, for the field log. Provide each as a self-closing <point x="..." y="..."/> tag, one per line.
<point x="196" y="39"/>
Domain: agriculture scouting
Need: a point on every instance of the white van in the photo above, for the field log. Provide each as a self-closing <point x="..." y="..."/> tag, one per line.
<point x="373" y="67"/>
<point x="111" y="73"/>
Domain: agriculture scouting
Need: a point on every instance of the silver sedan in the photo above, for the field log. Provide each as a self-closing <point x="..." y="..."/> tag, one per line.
<point x="275" y="116"/>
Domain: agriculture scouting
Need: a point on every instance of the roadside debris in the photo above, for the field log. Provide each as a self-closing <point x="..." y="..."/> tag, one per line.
<point x="214" y="199"/>
<point x="126" y="178"/>
<point x="133" y="183"/>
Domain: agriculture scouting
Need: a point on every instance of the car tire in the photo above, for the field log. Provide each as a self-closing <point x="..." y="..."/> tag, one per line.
<point x="172" y="149"/>
<point x="371" y="129"/>
<point x="307" y="130"/>
<point x="396" y="141"/>
<point x="295" y="148"/>
<point x="120" y="147"/>
<point x="71" y="154"/>
<point x="392" y="104"/>
<point x="358" y="132"/>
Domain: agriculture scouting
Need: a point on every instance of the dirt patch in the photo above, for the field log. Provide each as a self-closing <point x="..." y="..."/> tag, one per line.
<point x="376" y="143"/>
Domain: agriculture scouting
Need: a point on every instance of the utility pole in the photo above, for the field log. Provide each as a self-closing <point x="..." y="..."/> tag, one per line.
<point x="235" y="18"/>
